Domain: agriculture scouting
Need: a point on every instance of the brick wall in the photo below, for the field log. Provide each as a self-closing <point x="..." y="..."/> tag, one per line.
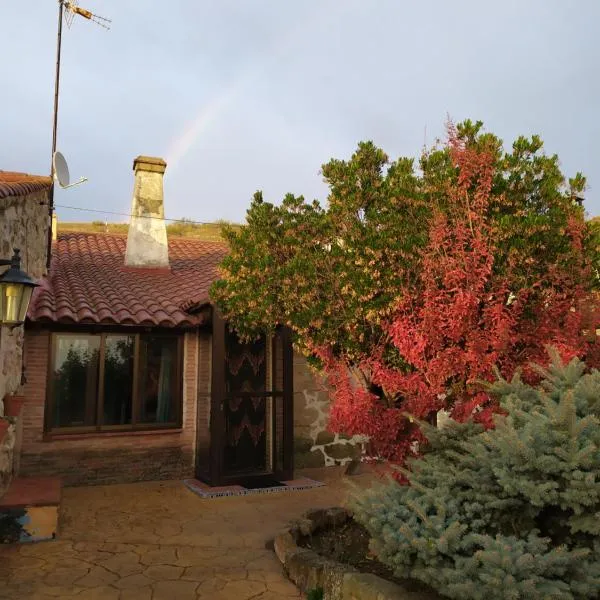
<point x="105" y="458"/>
<point x="24" y="225"/>
<point x="113" y="458"/>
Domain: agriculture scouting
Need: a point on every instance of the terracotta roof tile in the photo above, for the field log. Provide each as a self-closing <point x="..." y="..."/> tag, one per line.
<point x="88" y="283"/>
<point x="21" y="184"/>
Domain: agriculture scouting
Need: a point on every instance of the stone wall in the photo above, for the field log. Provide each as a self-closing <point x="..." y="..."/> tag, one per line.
<point x="24" y="225"/>
<point x="8" y="438"/>
<point x="336" y="580"/>
<point x="314" y="446"/>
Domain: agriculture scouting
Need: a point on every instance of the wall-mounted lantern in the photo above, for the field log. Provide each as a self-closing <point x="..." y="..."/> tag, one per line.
<point x="16" y="288"/>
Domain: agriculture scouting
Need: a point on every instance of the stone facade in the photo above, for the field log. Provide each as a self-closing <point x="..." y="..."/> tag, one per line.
<point x="23" y="224"/>
<point x="314" y="445"/>
<point x="8" y="439"/>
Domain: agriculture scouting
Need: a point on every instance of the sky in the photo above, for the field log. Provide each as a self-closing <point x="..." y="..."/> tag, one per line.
<point x="241" y="95"/>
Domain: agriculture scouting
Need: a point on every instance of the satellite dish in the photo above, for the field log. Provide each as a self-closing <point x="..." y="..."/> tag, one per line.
<point x="61" y="172"/>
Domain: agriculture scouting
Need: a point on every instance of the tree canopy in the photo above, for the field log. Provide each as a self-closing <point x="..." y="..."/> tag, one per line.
<point x="418" y="276"/>
<point x="333" y="272"/>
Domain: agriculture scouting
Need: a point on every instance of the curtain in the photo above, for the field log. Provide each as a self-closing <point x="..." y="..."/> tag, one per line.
<point x="164" y="385"/>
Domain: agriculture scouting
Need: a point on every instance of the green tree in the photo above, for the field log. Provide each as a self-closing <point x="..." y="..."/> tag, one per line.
<point x="333" y="273"/>
<point x="507" y="513"/>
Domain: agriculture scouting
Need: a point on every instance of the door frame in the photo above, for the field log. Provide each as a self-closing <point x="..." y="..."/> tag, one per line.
<point x="217" y="473"/>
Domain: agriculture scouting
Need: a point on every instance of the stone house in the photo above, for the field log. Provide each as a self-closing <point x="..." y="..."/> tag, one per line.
<point x="132" y="374"/>
<point x="24" y="224"/>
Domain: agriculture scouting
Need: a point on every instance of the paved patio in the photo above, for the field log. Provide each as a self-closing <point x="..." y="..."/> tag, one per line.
<point x="158" y="540"/>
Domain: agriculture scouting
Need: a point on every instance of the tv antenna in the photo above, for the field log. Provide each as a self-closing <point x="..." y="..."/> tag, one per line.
<point x="68" y="8"/>
<point x="61" y="172"/>
<point x="73" y="9"/>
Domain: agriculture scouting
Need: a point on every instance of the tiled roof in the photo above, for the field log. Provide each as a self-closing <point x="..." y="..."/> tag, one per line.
<point x="21" y="184"/>
<point x="88" y="283"/>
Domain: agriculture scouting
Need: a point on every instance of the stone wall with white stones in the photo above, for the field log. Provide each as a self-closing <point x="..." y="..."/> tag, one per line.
<point x="24" y="225"/>
<point x="314" y="445"/>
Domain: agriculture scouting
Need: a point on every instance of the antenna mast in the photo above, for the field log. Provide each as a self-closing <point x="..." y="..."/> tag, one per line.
<point x="68" y="9"/>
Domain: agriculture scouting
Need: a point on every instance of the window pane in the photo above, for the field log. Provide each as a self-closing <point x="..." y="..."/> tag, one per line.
<point x="158" y="379"/>
<point x="118" y="379"/>
<point x="75" y="379"/>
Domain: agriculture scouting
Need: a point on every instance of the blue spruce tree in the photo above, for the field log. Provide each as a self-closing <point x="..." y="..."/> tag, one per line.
<point x="509" y="513"/>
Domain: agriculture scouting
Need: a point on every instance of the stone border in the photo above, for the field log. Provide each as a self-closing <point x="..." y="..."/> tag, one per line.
<point x="309" y="570"/>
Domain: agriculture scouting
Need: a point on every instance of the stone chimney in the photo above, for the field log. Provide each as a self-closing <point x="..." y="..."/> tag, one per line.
<point x="147" y="238"/>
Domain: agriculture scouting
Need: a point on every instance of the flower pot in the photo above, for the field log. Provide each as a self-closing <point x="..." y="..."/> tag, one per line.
<point x="13" y="405"/>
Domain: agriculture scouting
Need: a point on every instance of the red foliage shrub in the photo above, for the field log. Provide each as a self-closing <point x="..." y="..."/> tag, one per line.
<point x="459" y="320"/>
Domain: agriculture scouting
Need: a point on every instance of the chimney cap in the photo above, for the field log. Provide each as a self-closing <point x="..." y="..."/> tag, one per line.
<point x="149" y="163"/>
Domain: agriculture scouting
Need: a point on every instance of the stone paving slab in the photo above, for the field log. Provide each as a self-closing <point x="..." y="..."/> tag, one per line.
<point x="159" y="541"/>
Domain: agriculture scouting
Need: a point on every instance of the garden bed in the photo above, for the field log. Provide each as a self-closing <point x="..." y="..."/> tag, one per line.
<point x="327" y="550"/>
<point x="349" y="544"/>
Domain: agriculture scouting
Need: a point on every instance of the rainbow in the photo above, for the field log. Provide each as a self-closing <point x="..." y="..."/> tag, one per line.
<point x="209" y="113"/>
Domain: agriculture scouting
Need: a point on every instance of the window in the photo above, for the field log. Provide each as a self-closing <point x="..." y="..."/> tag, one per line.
<point x="107" y="382"/>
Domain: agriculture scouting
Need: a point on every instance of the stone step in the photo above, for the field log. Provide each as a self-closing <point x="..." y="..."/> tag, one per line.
<point x="29" y="510"/>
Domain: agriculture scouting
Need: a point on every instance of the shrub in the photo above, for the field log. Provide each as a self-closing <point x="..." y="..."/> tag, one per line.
<point x="511" y="512"/>
<point x="409" y="285"/>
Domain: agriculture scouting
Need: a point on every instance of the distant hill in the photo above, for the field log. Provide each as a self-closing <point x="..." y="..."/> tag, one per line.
<point x="206" y="231"/>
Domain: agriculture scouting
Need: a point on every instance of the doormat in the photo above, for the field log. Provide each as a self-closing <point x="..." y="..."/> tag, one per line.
<point x="260" y="482"/>
<point x="206" y="491"/>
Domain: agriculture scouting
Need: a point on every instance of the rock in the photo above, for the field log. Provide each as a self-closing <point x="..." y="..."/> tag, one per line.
<point x="340" y="451"/>
<point x="308" y="460"/>
<point x="302" y="526"/>
<point x="284" y="545"/>
<point x="333" y="579"/>
<point x="307" y="415"/>
<point x="302" y="444"/>
<point x="305" y="568"/>
<point x="318" y="517"/>
<point x="324" y="438"/>
<point x="306" y="527"/>
<point x="365" y="586"/>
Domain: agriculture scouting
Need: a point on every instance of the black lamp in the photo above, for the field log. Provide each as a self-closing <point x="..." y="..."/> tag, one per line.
<point x="16" y="288"/>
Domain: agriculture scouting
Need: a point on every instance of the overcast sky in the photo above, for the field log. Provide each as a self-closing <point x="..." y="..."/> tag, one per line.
<point x="240" y="95"/>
